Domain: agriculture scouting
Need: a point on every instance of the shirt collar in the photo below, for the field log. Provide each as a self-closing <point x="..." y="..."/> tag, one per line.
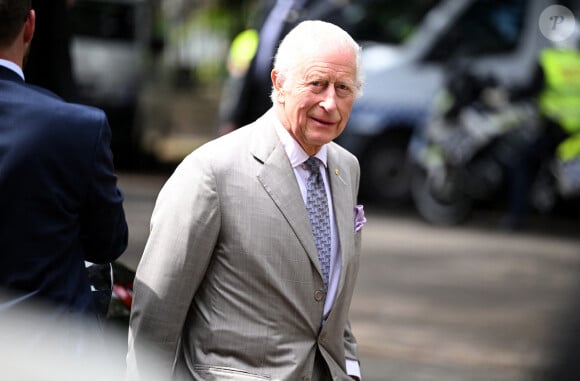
<point x="295" y="152"/>
<point x="12" y="66"/>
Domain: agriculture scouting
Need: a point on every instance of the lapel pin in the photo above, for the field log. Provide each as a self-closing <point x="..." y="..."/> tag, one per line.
<point x="336" y="172"/>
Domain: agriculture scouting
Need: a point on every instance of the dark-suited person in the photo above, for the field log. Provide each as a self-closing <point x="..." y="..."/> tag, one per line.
<point x="59" y="200"/>
<point x="247" y="101"/>
<point x="253" y="254"/>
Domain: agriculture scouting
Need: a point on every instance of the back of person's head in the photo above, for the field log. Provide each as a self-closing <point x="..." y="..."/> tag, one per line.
<point x="308" y="39"/>
<point x="13" y="14"/>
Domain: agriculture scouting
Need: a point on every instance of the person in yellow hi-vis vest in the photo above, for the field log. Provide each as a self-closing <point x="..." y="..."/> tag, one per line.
<point x="560" y="102"/>
<point x="242" y="51"/>
<point x="557" y="87"/>
<point x="560" y="99"/>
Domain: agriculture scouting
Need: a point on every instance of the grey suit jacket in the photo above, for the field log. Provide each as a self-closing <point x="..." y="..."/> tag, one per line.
<point x="229" y="285"/>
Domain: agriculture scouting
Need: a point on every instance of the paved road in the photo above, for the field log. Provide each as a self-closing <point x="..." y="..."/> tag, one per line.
<point x="460" y="304"/>
<point x="441" y="304"/>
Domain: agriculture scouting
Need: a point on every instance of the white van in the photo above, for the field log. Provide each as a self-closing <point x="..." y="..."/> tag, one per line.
<point x="501" y="38"/>
<point x="109" y="47"/>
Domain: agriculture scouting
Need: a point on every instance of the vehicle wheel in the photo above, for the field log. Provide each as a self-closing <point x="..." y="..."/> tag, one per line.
<point x="386" y="171"/>
<point x="451" y="210"/>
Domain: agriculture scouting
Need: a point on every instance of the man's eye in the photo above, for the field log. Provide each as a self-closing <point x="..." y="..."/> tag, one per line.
<point x="317" y="86"/>
<point x="343" y="89"/>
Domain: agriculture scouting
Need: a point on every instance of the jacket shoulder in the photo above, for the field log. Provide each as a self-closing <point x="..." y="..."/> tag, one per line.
<point x="344" y="154"/>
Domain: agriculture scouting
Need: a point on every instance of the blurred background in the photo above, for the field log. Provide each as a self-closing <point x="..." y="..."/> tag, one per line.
<point x="471" y="256"/>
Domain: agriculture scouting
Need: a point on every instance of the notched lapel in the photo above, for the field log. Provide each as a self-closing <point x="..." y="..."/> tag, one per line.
<point x="277" y="177"/>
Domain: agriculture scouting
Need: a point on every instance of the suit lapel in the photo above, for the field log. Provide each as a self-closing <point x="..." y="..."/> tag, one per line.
<point x="278" y="179"/>
<point x="343" y="212"/>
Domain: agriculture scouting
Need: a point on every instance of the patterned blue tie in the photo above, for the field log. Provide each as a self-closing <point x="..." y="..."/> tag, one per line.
<point x="317" y="207"/>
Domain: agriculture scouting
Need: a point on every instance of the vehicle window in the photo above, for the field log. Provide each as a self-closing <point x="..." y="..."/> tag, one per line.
<point x="488" y="27"/>
<point x="105" y="20"/>
<point x="386" y="21"/>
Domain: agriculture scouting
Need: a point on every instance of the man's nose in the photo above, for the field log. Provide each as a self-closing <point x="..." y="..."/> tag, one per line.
<point x="329" y="101"/>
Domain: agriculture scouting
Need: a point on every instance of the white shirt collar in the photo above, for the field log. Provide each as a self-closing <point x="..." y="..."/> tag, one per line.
<point x="12" y="66"/>
<point x="295" y="152"/>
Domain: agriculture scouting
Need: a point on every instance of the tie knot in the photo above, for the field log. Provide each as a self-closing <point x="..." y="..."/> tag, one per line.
<point x="313" y="165"/>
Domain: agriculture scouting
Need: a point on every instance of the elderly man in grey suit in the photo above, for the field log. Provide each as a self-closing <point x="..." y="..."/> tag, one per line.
<point x="253" y="254"/>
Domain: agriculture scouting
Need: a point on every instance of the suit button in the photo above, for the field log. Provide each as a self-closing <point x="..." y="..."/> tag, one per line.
<point x="318" y="295"/>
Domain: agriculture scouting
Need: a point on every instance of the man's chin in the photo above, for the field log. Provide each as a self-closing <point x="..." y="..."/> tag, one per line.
<point x="323" y="137"/>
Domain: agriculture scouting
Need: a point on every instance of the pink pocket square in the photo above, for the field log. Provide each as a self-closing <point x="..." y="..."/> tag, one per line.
<point x="359" y="217"/>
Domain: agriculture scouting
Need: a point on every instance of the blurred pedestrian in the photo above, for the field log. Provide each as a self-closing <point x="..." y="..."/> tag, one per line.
<point x="59" y="200"/>
<point x="556" y="85"/>
<point x="249" y="99"/>
<point x="49" y="65"/>
<point x="253" y="254"/>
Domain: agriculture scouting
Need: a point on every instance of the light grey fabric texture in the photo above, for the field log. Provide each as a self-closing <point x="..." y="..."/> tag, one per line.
<point x="229" y="285"/>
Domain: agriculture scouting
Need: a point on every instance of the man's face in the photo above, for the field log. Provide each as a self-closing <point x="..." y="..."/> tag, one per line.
<point x="317" y="100"/>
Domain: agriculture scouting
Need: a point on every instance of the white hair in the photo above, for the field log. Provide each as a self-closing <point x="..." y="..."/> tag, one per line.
<point x="308" y="38"/>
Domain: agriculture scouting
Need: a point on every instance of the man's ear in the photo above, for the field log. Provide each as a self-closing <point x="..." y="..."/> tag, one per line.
<point x="29" y="26"/>
<point x="278" y="84"/>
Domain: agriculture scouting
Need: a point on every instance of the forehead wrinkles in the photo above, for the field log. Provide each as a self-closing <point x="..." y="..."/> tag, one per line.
<point x="330" y="71"/>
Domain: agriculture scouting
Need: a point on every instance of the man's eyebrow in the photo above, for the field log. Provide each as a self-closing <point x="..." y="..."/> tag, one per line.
<point x="315" y="76"/>
<point x="323" y="77"/>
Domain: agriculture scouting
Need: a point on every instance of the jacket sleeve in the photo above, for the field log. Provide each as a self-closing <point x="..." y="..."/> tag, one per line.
<point x="104" y="227"/>
<point x="184" y="229"/>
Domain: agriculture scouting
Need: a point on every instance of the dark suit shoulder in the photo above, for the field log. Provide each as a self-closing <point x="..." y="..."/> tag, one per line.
<point x="49" y="127"/>
<point x="49" y="100"/>
<point x="61" y="115"/>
